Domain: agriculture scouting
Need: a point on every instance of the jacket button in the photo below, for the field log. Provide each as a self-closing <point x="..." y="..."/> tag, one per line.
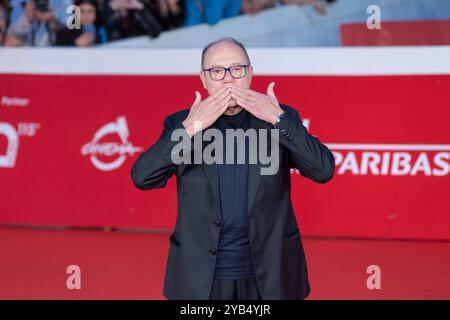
<point x="212" y="251"/>
<point x="217" y="222"/>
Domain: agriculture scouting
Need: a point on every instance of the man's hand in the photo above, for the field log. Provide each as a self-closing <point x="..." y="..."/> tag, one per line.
<point x="46" y="17"/>
<point x="207" y="111"/>
<point x="85" y="40"/>
<point x="264" y="107"/>
<point x="12" y="41"/>
<point x="255" y="6"/>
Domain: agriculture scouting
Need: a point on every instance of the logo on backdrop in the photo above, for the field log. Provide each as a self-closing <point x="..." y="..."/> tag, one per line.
<point x="8" y="155"/>
<point x="389" y="159"/>
<point x="8" y="160"/>
<point x="392" y="159"/>
<point x="98" y="150"/>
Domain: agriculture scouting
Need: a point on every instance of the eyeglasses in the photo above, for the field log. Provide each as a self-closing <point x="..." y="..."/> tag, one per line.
<point x="218" y="73"/>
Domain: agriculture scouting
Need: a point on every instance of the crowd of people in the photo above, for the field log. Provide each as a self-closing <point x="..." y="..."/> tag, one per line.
<point x="84" y="23"/>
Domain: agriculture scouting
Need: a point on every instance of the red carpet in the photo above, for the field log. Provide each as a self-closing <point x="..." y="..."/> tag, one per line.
<point x="120" y="265"/>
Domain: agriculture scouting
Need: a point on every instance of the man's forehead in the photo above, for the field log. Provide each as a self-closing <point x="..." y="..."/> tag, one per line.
<point x="223" y="54"/>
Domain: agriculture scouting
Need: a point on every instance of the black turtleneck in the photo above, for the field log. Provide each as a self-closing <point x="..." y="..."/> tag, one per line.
<point x="234" y="255"/>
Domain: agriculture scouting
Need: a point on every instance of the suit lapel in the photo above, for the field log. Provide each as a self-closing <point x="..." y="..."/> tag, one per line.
<point x="212" y="174"/>
<point x="254" y="170"/>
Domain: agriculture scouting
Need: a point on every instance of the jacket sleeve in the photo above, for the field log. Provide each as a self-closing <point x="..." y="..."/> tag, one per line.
<point x="155" y="166"/>
<point x="312" y="158"/>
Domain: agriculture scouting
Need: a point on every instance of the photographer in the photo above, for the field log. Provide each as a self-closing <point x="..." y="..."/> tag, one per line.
<point x="35" y="22"/>
<point x="56" y="7"/>
<point x="130" y="18"/>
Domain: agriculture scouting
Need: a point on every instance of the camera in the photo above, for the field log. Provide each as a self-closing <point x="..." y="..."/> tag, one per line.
<point x="42" y="5"/>
<point x="148" y="21"/>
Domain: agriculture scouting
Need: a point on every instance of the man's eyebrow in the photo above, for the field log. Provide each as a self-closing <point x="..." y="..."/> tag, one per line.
<point x="222" y="66"/>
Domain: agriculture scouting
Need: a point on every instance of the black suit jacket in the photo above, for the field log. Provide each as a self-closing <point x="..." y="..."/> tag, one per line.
<point x="277" y="252"/>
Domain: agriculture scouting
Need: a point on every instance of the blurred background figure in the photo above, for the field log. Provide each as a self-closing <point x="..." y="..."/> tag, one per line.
<point x="210" y="11"/>
<point x="255" y="6"/>
<point x="20" y="28"/>
<point x="128" y="18"/>
<point x="91" y="32"/>
<point x="44" y="22"/>
<point x="171" y="13"/>
<point x="3" y="23"/>
<point x="35" y="22"/>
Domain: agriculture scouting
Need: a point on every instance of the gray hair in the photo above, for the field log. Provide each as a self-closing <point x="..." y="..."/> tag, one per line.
<point x="229" y="40"/>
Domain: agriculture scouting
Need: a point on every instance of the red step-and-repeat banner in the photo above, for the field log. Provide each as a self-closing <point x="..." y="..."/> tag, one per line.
<point x="68" y="142"/>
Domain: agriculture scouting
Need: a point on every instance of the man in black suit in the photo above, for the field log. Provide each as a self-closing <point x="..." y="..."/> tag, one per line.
<point x="236" y="235"/>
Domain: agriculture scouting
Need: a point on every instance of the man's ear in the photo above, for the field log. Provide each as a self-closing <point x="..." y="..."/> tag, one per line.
<point x="202" y="77"/>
